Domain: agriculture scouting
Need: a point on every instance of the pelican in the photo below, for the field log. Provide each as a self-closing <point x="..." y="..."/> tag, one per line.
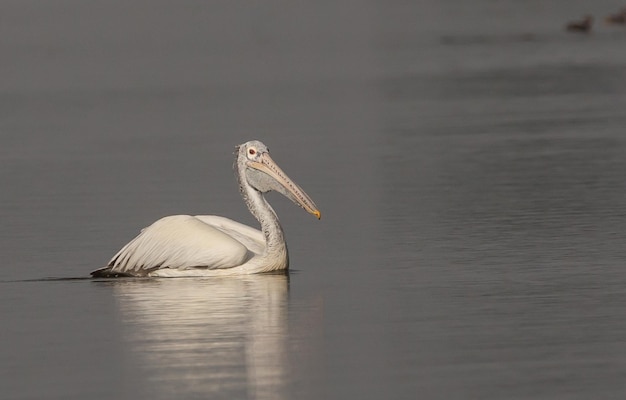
<point x="207" y="245"/>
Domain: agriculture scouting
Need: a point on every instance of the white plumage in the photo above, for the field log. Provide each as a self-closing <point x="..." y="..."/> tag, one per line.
<point x="202" y="245"/>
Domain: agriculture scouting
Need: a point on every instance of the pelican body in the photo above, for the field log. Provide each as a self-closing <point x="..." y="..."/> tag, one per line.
<point x="206" y="245"/>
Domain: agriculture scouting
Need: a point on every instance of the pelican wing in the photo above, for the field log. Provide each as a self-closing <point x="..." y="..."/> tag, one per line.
<point x="251" y="238"/>
<point x="179" y="242"/>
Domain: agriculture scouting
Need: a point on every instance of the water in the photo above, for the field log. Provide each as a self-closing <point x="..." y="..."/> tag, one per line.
<point x="469" y="161"/>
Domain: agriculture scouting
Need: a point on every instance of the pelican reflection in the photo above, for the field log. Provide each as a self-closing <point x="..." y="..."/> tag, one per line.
<point x="206" y="337"/>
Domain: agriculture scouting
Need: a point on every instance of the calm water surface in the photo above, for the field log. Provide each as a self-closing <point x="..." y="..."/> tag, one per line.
<point x="469" y="160"/>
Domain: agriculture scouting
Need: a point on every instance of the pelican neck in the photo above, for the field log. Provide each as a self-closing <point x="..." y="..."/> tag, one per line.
<point x="275" y="245"/>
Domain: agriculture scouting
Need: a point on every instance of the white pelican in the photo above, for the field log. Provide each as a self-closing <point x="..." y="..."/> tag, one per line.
<point x="206" y="245"/>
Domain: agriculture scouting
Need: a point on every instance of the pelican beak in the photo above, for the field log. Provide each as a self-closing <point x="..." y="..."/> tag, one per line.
<point x="285" y="185"/>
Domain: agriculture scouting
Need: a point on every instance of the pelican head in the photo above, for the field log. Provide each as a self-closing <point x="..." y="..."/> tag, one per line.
<point x="256" y="168"/>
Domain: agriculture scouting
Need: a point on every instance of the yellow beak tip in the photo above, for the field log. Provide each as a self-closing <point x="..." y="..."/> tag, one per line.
<point x="317" y="214"/>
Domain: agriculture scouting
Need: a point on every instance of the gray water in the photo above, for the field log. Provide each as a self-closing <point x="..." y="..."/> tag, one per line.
<point x="469" y="160"/>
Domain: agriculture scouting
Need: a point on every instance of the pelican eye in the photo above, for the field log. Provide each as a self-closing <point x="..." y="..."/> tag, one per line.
<point x="252" y="152"/>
